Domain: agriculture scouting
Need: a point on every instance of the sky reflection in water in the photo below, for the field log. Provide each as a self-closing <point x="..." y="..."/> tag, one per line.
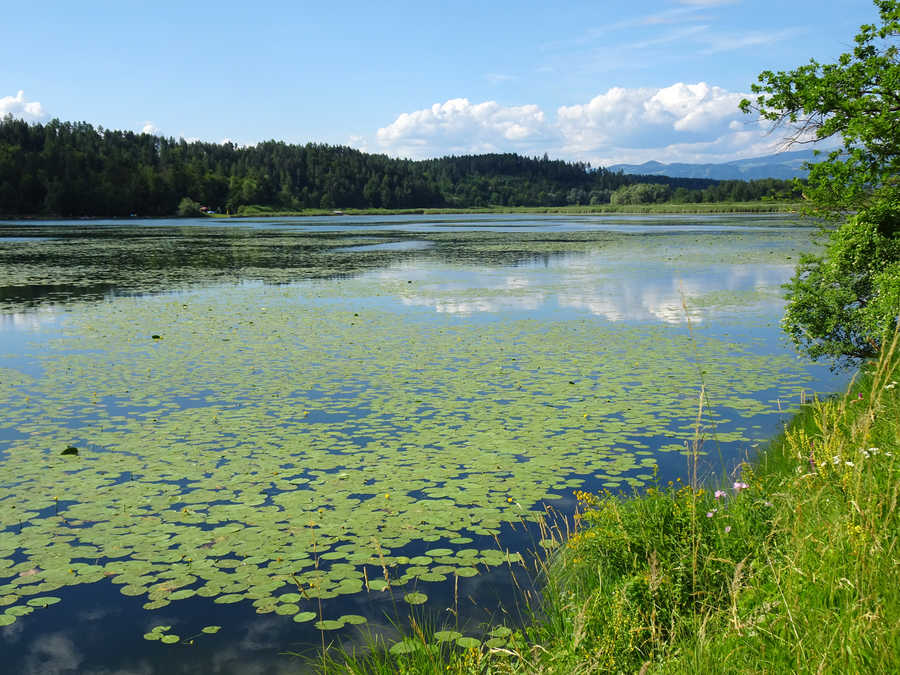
<point x="727" y="285"/>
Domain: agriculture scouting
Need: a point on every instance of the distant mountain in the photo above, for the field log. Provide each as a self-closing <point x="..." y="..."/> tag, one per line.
<point x="784" y="165"/>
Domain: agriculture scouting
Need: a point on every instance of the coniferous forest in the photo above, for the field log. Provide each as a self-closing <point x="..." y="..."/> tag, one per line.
<point x="76" y="169"/>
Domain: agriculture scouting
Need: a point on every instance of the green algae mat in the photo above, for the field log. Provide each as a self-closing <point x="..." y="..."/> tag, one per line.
<point x="282" y="443"/>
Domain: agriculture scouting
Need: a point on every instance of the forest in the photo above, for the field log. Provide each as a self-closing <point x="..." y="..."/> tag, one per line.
<point x="75" y="169"/>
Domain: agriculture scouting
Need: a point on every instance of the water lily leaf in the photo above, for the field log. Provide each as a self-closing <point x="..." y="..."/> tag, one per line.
<point x="466" y="571"/>
<point x="415" y="598"/>
<point x="329" y="624"/>
<point x="228" y="599"/>
<point x="405" y="647"/>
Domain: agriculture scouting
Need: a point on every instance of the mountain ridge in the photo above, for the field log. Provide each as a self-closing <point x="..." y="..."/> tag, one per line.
<point x="783" y="165"/>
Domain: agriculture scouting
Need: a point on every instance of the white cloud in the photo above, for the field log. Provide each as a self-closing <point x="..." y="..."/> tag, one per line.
<point x="684" y="122"/>
<point x="649" y="117"/>
<point x="17" y="106"/>
<point x="460" y="127"/>
<point x="150" y="128"/>
<point x="358" y="142"/>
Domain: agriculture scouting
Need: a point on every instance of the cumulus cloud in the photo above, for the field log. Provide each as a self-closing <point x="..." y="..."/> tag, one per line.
<point x="683" y="122"/>
<point x="17" y="106"/>
<point x="150" y="128"/>
<point x="458" y="126"/>
<point x="649" y="117"/>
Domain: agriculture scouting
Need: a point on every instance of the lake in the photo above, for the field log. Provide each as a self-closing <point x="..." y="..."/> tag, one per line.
<point x="227" y="443"/>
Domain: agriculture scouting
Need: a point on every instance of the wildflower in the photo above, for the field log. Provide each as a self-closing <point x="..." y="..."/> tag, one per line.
<point x="709" y="514"/>
<point x="768" y="503"/>
<point x="874" y="451"/>
<point x="727" y="529"/>
<point x="835" y="460"/>
<point x="719" y="493"/>
<point x="849" y="463"/>
<point x="891" y="385"/>
<point x="738" y="486"/>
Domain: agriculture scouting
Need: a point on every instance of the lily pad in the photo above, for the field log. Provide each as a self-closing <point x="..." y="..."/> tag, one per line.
<point x="415" y="598"/>
<point x="228" y="599"/>
<point x="329" y="624"/>
<point x="405" y="647"/>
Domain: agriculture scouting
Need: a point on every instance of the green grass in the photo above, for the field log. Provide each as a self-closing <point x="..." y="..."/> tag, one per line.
<point x="792" y="566"/>
<point x="716" y="207"/>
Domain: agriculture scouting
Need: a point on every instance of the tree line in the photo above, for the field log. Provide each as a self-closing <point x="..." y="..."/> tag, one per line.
<point x="75" y="169"/>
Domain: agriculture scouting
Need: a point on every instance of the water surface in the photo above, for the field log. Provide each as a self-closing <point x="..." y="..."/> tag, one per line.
<point x="287" y="421"/>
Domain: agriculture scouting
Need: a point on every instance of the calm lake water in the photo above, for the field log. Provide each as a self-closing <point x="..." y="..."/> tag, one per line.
<point x="296" y="430"/>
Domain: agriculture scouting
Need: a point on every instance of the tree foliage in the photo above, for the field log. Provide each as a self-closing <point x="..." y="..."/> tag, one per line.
<point x="856" y="100"/>
<point x="75" y="169"/>
<point x="842" y="304"/>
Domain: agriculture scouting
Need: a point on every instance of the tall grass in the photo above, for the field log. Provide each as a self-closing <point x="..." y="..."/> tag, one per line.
<point x="665" y="208"/>
<point x="792" y="566"/>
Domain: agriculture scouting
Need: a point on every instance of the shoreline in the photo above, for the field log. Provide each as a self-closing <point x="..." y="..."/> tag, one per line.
<point x="604" y="209"/>
<point x="757" y="575"/>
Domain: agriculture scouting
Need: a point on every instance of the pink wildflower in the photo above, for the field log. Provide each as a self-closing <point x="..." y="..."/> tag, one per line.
<point x="719" y="493"/>
<point x="738" y="486"/>
<point x="727" y="529"/>
<point x="709" y="514"/>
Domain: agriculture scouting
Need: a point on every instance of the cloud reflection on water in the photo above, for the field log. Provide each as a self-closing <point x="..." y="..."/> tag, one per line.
<point x="617" y="292"/>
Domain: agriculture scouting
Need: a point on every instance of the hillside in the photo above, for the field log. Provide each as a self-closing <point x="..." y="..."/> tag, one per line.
<point x="783" y="166"/>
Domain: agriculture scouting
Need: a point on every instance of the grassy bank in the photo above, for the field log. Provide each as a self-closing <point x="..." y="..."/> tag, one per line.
<point x="715" y="207"/>
<point x="791" y="566"/>
<point x="255" y="211"/>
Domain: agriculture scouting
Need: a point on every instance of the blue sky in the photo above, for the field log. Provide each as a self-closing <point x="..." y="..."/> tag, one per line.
<point x="604" y="81"/>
